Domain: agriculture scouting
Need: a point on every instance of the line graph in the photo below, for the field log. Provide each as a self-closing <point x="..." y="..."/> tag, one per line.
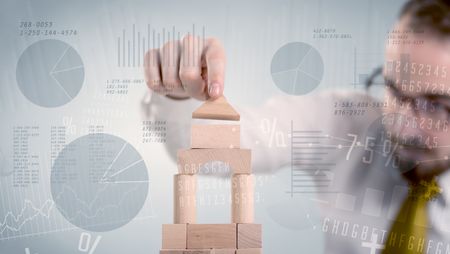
<point x="76" y="198"/>
<point x="16" y="222"/>
<point x="13" y="224"/>
<point x="89" y="210"/>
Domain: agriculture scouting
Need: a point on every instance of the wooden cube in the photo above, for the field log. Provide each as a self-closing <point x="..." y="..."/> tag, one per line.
<point x="184" y="199"/>
<point x="224" y="251"/>
<point x="249" y="251"/>
<point x="174" y="236"/>
<point x="249" y="236"/>
<point x="242" y="198"/>
<point x="216" y="109"/>
<point x="192" y="160"/>
<point x="215" y="136"/>
<point x="215" y="236"/>
<point x="206" y="251"/>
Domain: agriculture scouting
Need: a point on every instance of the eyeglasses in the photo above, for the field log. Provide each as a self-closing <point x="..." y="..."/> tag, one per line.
<point x="428" y="106"/>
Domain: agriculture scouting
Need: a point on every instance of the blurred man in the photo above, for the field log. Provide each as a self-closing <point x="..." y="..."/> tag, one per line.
<point x="390" y="188"/>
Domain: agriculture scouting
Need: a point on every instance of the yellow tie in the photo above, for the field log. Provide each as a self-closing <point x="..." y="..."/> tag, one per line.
<point x="409" y="231"/>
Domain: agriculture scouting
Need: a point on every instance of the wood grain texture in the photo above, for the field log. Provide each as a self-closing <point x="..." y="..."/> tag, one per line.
<point x="242" y="201"/>
<point x="224" y="251"/>
<point x="218" y="109"/>
<point x="190" y="161"/>
<point x="193" y="251"/>
<point x="249" y="251"/>
<point x="249" y="236"/>
<point x="215" y="136"/>
<point x="207" y="251"/>
<point x="184" y="201"/>
<point x="216" y="236"/>
<point x="174" y="236"/>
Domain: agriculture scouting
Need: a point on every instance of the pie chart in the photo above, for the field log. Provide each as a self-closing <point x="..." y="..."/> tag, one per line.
<point x="297" y="68"/>
<point x="50" y="73"/>
<point x="99" y="182"/>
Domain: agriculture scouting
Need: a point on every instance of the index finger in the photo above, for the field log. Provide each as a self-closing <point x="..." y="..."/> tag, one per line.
<point x="215" y="64"/>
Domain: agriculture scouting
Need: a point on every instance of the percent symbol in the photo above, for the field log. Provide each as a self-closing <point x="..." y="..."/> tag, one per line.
<point x="269" y="127"/>
<point x="84" y="245"/>
<point x="391" y="157"/>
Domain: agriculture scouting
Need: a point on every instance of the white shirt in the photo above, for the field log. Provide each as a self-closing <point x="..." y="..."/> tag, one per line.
<point x="365" y="193"/>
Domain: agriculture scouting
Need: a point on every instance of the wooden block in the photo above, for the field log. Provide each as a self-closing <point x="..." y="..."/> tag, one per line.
<point x="194" y="251"/>
<point x="174" y="236"/>
<point x="192" y="160"/>
<point x="224" y="251"/>
<point x="184" y="201"/>
<point x="216" y="109"/>
<point x="242" y="201"/>
<point x="198" y="251"/>
<point x="206" y="251"/>
<point x="215" y="136"/>
<point x="249" y="251"/>
<point x="215" y="236"/>
<point x="249" y="236"/>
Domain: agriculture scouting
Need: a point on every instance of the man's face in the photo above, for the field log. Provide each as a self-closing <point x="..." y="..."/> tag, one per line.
<point x="417" y="74"/>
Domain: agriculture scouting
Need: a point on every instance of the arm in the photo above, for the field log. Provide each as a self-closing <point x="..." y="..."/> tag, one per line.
<point x="266" y="129"/>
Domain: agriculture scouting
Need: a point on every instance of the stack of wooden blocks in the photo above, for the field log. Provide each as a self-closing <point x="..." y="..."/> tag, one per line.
<point x="213" y="142"/>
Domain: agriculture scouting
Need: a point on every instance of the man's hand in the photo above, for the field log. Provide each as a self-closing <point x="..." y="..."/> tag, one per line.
<point x="193" y="67"/>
